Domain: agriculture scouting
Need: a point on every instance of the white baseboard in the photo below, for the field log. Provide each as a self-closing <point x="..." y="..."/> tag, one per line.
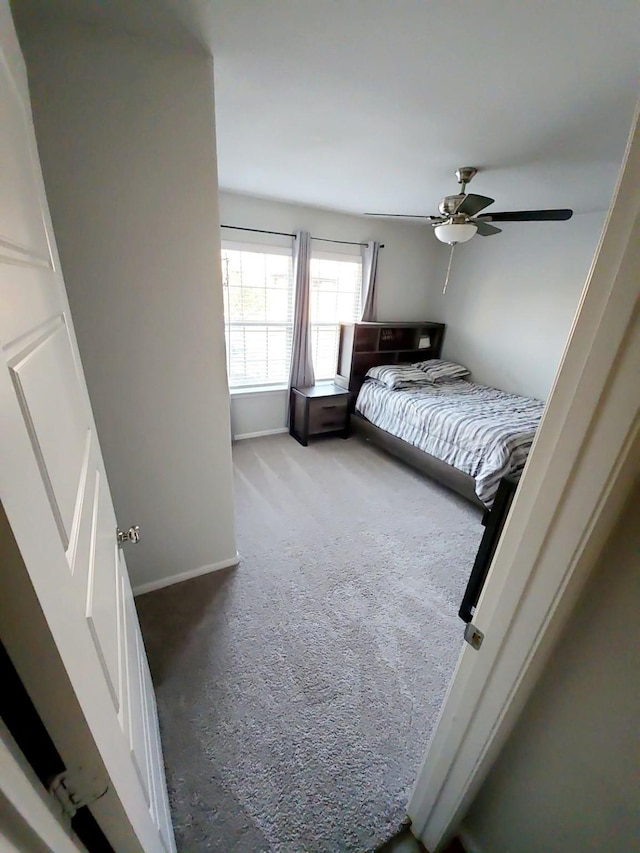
<point x="185" y="576"/>
<point x="261" y="433"/>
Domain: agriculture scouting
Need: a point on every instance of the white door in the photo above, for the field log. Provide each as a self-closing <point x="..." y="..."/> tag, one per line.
<point x="53" y="485"/>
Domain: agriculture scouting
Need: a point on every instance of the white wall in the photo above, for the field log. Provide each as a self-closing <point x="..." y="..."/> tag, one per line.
<point x="511" y="300"/>
<point x="258" y="412"/>
<point x="568" y="778"/>
<point x="126" y="134"/>
<point x="407" y="267"/>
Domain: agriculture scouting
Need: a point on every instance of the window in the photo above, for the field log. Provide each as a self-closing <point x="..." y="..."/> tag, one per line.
<point x="258" y="311"/>
<point x="335" y="299"/>
<point x="257" y="285"/>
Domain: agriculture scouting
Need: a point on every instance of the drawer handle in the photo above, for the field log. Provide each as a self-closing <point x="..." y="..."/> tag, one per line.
<point x="330" y="407"/>
<point x="332" y="423"/>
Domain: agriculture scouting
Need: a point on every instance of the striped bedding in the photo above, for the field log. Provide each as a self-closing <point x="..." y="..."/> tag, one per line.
<point x="481" y="431"/>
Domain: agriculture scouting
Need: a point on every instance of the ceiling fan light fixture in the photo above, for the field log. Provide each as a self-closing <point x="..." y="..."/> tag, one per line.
<point x="455" y="232"/>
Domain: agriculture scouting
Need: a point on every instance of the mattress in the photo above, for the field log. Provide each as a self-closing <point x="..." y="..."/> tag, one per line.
<point x="483" y="432"/>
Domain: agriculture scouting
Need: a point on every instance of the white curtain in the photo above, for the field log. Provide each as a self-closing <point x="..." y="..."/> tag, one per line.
<point x="369" y="273"/>
<point x="301" y="374"/>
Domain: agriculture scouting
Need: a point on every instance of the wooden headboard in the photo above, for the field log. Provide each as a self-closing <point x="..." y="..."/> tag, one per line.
<point x="365" y="345"/>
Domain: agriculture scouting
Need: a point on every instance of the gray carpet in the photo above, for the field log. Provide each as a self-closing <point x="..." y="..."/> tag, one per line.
<point x="297" y="693"/>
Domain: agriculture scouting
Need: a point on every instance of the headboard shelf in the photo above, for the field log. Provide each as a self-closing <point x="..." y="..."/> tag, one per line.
<point x="365" y="345"/>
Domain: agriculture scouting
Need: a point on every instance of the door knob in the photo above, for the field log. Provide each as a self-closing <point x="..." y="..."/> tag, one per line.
<point x="131" y="535"/>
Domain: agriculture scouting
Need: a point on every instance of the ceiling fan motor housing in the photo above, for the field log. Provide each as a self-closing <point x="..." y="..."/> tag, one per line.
<point x="450" y="204"/>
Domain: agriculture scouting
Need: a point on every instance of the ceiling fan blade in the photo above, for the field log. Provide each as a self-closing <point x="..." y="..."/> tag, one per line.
<point x="403" y="216"/>
<point x="530" y="215"/>
<point x="486" y="230"/>
<point x="473" y="204"/>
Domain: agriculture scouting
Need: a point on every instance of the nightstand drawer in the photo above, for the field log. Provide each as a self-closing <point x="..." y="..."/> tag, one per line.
<point x="318" y="410"/>
<point x="327" y="414"/>
<point x="328" y="405"/>
<point x="326" y="423"/>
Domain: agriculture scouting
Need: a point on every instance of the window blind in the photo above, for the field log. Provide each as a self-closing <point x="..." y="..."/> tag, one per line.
<point x="335" y="298"/>
<point x="258" y="307"/>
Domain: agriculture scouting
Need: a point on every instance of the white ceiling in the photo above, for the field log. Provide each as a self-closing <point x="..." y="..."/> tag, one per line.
<point x="370" y="105"/>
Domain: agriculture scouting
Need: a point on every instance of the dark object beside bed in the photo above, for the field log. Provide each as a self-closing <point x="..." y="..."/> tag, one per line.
<point x="440" y="471"/>
<point x="494" y="523"/>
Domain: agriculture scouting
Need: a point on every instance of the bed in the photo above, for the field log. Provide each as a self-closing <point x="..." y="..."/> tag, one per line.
<point x="466" y="435"/>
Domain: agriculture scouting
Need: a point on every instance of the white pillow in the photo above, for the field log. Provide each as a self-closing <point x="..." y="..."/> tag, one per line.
<point x="437" y="370"/>
<point x="396" y="376"/>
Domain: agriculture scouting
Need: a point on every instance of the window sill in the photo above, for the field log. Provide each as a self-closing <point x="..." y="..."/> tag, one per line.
<point x="250" y="390"/>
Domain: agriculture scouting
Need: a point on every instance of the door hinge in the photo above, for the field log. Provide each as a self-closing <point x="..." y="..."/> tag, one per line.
<point x="73" y="789"/>
<point x="473" y="635"/>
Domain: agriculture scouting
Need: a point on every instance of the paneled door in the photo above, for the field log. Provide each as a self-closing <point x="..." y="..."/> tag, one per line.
<point x="54" y="488"/>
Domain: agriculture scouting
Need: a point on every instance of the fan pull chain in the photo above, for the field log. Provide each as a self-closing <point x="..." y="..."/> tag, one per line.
<point x="446" y="281"/>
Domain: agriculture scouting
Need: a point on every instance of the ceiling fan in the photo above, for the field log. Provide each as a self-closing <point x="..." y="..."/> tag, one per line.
<point x="461" y="219"/>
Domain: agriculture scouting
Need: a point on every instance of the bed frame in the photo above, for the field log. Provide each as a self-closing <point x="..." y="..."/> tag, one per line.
<point x="365" y="345"/>
<point x="427" y="464"/>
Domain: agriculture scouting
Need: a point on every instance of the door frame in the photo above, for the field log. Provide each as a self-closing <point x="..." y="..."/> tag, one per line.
<point x="580" y="470"/>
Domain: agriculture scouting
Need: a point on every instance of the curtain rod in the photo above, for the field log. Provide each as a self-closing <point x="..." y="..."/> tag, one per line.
<point x="286" y="234"/>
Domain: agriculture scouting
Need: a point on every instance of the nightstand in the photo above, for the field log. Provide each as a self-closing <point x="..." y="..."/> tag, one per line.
<point x="318" y="410"/>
